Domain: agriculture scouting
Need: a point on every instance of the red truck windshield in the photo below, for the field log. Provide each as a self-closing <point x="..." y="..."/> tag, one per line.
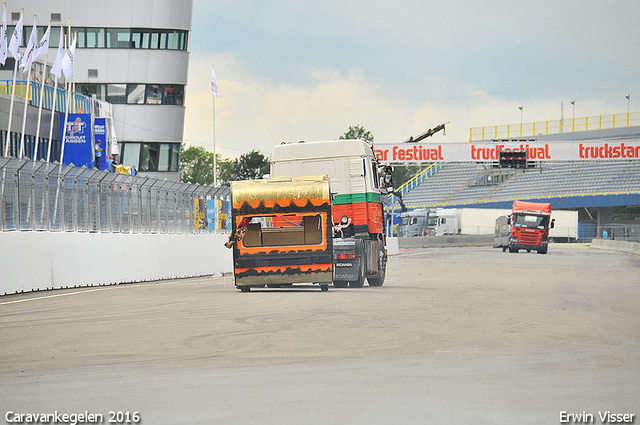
<point x="531" y="221"/>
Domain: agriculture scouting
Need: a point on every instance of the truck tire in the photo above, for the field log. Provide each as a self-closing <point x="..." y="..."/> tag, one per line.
<point x="542" y="251"/>
<point x="360" y="282"/>
<point x="378" y="280"/>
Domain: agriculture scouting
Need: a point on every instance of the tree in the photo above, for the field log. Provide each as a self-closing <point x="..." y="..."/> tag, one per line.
<point x="251" y="165"/>
<point x="403" y="173"/>
<point x="358" y="132"/>
<point x="196" y="165"/>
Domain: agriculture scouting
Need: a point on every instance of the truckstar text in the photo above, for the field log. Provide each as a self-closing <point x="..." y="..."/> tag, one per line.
<point x="609" y="151"/>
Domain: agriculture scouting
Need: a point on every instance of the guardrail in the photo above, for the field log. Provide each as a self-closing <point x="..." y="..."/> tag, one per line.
<point x="599" y="122"/>
<point x="619" y="232"/>
<point x="36" y="89"/>
<point x="41" y="196"/>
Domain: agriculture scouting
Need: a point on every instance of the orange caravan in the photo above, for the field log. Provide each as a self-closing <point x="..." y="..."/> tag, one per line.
<point x="282" y="232"/>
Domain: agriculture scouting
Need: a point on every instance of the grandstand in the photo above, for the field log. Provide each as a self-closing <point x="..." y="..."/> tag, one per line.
<point x="594" y="184"/>
<point x="566" y="185"/>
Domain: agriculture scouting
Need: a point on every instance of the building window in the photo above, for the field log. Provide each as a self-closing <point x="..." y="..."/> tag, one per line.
<point x="95" y="38"/>
<point x="132" y="94"/>
<point x="54" y="37"/>
<point x="151" y="156"/>
<point x="130" y="154"/>
<point x="135" y="94"/>
<point x="80" y="33"/>
<point x="139" y="39"/>
<point x="96" y="91"/>
<point x="117" y="93"/>
<point x="172" y="40"/>
<point x="172" y="95"/>
<point x="112" y="38"/>
<point x="118" y="38"/>
<point x="154" y="94"/>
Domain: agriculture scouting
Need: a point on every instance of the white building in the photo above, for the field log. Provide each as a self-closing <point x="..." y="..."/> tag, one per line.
<point x="133" y="54"/>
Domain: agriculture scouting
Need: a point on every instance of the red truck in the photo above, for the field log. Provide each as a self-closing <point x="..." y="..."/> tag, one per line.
<point x="528" y="228"/>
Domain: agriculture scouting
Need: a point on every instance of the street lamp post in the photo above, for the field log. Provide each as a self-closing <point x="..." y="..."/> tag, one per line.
<point x="628" y="107"/>
<point x="521" y="108"/>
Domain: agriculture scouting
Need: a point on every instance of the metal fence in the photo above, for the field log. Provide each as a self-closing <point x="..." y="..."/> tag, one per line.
<point x="41" y="196"/>
<point x="620" y="232"/>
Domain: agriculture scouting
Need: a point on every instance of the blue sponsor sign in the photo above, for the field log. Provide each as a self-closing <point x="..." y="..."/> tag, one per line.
<point x="100" y="134"/>
<point x="78" y="146"/>
<point x="211" y="213"/>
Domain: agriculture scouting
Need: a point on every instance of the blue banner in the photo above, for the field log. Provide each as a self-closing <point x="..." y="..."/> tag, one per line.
<point x="212" y="208"/>
<point x="78" y="146"/>
<point x="100" y="135"/>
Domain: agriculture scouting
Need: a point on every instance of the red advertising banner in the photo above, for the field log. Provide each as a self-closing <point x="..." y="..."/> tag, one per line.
<point x="490" y="151"/>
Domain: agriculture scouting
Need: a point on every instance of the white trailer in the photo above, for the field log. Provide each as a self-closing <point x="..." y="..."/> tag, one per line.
<point x="566" y="225"/>
<point x="482" y="221"/>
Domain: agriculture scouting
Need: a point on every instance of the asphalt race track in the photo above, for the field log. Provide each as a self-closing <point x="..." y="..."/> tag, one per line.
<point x="455" y="335"/>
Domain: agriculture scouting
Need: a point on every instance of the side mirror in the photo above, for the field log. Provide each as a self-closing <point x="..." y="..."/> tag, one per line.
<point x="553" y="223"/>
<point x="387" y="178"/>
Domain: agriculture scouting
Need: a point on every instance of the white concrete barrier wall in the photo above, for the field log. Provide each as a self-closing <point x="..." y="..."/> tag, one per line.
<point x="614" y="245"/>
<point x="31" y="261"/>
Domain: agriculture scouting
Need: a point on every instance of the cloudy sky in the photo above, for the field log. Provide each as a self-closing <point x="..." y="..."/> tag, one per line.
<point x="307" y="70"/>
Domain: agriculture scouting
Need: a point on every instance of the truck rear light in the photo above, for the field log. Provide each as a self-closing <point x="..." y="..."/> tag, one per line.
<point x="345" y="256"/>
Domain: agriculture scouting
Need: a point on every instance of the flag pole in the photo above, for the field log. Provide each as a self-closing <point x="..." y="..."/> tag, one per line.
<point x="13" y="97"/>
<point x="54" y="104"/>
<point x="15" y="71"/>
<point x="27" y="63"/>
<point x="44" y="73"/>
<point x="214" y="143"/>
<point x="53" y="113"/>
<point x="214" y="93"/>
<point x="66" y="116"/>
<point x="24" y="114"/>
<point x="70" y="62"/>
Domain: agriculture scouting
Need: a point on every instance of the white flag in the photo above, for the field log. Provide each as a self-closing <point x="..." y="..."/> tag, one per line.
<point x="43" y="46"/>
<point x="27" y="58"/>
<point x="214" y="84"/>
<point x="16" y="39"/>
<point x="3" y="37"/>
<point x="56" y="69"/>
<point x="67" y="60"/>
